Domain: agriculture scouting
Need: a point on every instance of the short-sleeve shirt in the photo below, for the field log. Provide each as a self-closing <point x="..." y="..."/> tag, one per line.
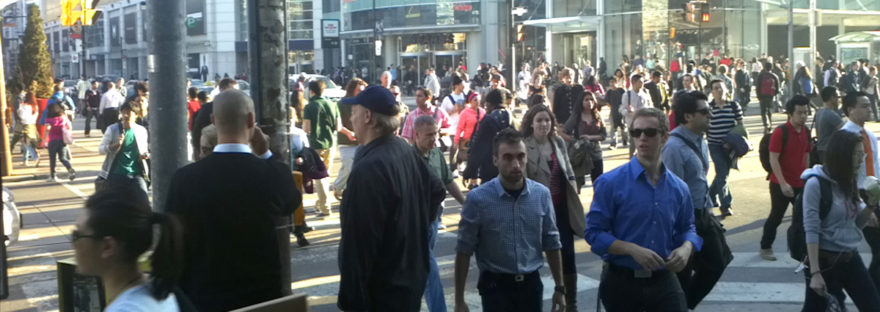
<point x="724" y="118"/>
<point x="322" y="114"/>
<point x="791" y="157"/>
<point x="437" y="163"/>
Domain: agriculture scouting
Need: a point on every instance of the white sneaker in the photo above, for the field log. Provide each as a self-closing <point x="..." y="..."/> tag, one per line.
<point x="52" y="179"/>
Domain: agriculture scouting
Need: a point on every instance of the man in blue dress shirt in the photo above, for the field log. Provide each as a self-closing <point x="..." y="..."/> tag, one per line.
<point x="641" y="223"/>
<point x="508" y="221"/>
<point x="685" y="155"/>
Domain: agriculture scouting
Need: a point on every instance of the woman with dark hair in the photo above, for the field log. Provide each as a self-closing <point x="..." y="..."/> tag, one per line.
<point x="115" y="229"/>
<point x="479" y="164"/>
<point x="548" y="164"/>
<point x="621" y="76"/>
<point x="347" y="147"/>
<point x="58" y="122"/>
<point x="537" y="99"/>
<point x="593" y="86"/>
<point x="833" y="236"/>
<point x="468" y="122"/>
<point x="586" y="125"/>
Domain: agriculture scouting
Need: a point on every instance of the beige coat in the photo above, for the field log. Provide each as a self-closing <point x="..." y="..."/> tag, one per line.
<point x="537" y="169"/>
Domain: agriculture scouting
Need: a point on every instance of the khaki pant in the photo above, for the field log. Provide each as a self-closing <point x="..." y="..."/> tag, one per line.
<point x="322" y="185"/>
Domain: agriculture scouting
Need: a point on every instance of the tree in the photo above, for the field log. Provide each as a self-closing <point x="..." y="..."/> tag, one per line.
<point x="35" y="63"/>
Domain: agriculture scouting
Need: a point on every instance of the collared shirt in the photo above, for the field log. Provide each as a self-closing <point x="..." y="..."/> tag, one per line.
<point x="239" y="148"/>
<point x="627" y="207"/>
<point x="439" y="115"/>
<point x="681" y="160"/>
<point x="854" y="128"/>
<point x="111" y="99"/>
<point x="437" y="164"/>
<point x="635" y="99"/>
<point x="508" y="234"/>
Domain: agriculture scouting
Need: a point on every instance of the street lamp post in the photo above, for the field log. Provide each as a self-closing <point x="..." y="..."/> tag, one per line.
<point x="514" y="11"/>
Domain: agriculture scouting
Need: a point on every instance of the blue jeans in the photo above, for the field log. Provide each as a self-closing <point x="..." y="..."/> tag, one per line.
<point x="434" y="298"/>
<point x="719" y="188"/>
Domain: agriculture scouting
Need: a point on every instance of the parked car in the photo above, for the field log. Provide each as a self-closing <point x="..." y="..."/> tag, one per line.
<point x="332" y="91"/>
<point x="244" y="86"/>
<point x="12" y="223"/>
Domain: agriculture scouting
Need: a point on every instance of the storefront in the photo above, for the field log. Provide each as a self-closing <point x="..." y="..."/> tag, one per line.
<point x="413" y="36"/>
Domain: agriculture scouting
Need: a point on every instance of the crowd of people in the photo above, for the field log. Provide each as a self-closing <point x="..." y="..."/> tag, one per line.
<point x="520" y="177"/>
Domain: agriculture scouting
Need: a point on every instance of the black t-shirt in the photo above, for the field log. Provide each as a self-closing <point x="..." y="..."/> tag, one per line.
<point x="515" y="193"/>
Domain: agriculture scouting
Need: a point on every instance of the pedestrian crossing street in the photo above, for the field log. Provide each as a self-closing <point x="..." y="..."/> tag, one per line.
<point x="747" y="280"/>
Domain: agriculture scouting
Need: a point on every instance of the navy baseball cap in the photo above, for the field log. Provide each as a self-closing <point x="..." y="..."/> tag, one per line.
<point x="375" y="98"/>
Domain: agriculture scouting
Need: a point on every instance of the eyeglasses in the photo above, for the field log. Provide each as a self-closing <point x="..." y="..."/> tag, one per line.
<point x="76" y="234"/>
<point x="650" y="132"/>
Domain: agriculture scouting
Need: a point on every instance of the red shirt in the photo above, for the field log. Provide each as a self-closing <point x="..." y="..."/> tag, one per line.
<point x="192" y="107"/>
<point x="672" y="124"/>
<point x="791" y="157"/>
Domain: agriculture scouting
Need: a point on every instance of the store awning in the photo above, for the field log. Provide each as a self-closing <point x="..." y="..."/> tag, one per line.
<point x="567" y="24"/>
<point x="397" y="31"/>
<point x="861" y="36"/>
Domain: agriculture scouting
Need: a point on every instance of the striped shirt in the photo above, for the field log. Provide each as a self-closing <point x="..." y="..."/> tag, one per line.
<point x="724" y="118"/>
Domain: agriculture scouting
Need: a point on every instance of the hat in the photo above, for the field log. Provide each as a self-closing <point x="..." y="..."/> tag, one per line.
<point x="375" y="98"/>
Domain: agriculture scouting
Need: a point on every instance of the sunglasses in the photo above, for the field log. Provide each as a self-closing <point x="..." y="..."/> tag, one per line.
<point x="76" y="234"/>
<point x="650" y="132"/>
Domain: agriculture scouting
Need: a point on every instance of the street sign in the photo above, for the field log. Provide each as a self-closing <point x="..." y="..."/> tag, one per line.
<point x="192" y="19"/>
<point x="76" y="28"/>
<point x="329" y="33"/>
<point x="378" y="47"/>
<point x="75" y="36"/>
<point x="74" y="58"/>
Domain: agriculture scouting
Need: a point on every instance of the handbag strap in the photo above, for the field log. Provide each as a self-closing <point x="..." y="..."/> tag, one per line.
<point x="476" y="123"/>
<point x="696" y="150"/>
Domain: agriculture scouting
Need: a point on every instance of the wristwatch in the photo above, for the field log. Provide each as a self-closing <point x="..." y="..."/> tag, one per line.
<point x="560" y="289"/>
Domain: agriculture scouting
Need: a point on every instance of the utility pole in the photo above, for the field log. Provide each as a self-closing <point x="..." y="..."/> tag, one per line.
<point x="790" y="48"/>
<point x="4" y="132"/>
<point x="167" y="70"/>
<point x="267" y="51"/>
<point x="267" y="54"/>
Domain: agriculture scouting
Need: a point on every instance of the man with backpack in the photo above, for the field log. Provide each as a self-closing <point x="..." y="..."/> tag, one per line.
<point x="686" y="155"/>
<point x="766" y="88"/>
<point x="858" y="110"/>
<point x="787" y="155"/>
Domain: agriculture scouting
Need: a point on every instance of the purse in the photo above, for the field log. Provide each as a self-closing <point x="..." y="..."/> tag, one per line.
<point x="66" y="134"/>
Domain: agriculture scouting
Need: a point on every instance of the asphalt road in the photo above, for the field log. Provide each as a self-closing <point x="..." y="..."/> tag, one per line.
<point x="51" y="208"/>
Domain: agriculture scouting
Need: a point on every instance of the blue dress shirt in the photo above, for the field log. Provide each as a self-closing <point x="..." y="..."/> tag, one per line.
<point x="682" y="161"/>
<point x="627" y="207"/>
<point x="508" y="234"/>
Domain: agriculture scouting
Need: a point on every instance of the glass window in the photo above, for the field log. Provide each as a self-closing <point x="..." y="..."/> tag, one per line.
<point x="619" y="6"/>
<point x="95" y="33"/>
<point x="130" y="20"/>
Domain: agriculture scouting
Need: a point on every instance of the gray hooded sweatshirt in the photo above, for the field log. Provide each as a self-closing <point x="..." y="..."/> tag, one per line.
<point x="840" y="231"/>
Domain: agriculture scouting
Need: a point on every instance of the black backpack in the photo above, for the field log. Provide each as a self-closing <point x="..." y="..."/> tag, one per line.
<point x="764" y="148"/>
<point x="797" y="242"/>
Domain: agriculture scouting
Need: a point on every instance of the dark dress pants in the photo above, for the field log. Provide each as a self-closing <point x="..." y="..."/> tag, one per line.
<point x="511" y="293"/>
<point x="621" y="291"/>
<point x="778" y="204"/>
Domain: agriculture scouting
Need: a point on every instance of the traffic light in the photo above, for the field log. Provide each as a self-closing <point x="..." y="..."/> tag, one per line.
<point x="86" y="14"/>
<point x="520" y="33"/>
<point x="706" y="17"/>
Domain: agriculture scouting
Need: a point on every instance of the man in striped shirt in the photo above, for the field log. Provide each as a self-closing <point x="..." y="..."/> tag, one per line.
<point x="725" y="116"/>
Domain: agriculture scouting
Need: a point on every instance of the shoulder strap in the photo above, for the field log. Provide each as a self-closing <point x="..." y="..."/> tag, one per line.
<point x="476" y="123"/>
<point x="693" y="148"/>
<point x="827" y="198"/>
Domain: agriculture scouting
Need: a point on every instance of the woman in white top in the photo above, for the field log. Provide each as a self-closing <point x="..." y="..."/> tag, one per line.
<point x="26" y="131"/>
<point x="115" y="229"/>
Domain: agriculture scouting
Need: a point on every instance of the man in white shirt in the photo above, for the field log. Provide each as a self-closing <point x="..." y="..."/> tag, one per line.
<point x="81" y="87"/>
<point x="632" y="101"/>
<point x="457" y="97"/>
<point x="109" y="108"/>
<point x="857" y="107"/>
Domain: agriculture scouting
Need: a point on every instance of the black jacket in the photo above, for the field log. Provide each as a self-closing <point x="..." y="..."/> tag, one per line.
<point x="230" y="205"/>
<point x="387" y="209"/>
<point x="480" y="154"/>
<point x="656" y="96"/>
<point x="564" y="98"/>
<point x="200" y="120"/>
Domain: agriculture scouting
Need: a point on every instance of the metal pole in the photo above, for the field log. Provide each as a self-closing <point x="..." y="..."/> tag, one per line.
<point x="372" y="70"/>
<point x="267" y="50"/>
<point x="167" y="72"/>
<point x="512" y="80"/>
<point x="790" y="49"/>
<point x="7" y="160"/>
<point x="813" y="22"/>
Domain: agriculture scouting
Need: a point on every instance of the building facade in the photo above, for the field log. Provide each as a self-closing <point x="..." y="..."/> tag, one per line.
<point x="576" y="31"/>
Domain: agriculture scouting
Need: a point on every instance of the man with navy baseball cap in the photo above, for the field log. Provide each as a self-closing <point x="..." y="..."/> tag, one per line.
<point x="387" y="210"/>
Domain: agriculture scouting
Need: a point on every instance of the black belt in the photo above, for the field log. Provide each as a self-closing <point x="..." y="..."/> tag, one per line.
<point x="630" y="273"/>
<point x="510" y="277"/>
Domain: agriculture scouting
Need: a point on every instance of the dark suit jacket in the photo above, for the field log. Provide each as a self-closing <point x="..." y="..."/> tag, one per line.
<point x="656" y="96"/>
<point x="230" y="205"/>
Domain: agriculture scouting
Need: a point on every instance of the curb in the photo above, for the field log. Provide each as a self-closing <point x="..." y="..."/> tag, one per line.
<point x="24" y="177"/>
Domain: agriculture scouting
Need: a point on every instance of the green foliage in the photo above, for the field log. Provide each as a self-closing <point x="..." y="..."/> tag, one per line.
<point x="35" y="63"/>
